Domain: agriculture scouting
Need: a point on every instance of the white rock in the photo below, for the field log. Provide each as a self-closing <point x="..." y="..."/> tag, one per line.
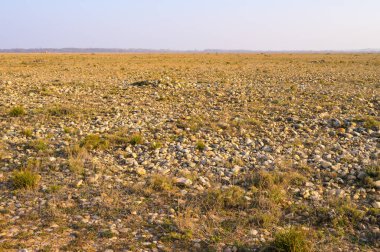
<point x="253" y="232"/>
<point x="376" y="204"/>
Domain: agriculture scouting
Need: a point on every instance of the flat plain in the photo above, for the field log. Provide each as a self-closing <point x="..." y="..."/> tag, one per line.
<point x="189" y="152"/>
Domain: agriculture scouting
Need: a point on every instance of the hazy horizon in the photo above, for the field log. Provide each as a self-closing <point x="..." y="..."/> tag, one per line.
<point x="272" y="25"/>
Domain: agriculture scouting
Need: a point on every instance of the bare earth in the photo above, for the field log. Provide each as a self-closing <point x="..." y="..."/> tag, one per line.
<point x="207" y="152"/>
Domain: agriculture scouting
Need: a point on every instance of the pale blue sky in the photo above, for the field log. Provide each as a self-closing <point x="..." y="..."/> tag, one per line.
<point x="191" y="24"/>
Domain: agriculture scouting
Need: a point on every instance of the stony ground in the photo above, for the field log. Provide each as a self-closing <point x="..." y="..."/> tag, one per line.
<point x="189" y="152"/>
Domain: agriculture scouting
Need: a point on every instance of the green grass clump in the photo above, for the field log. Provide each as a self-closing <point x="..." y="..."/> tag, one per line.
<point x="265" y="218"/>
<point x="290" y="240"/>
<point x="76" y="165"/>
<point x="54" y="188"/>
<point x="60" y="111"/>
<point x="160" y="183"/>
<point x="263" y="180"/>
<point x="92" y="142"/>
<point x="136" y="139"/>
<point x="232" y="197"/>
<point x="371" y="123"/>
<point x="77" y="157"/>
<point x="25" y="179"/>
<point x="106" y="234"/>
<point x="2" y="150"/>
<point x="38" y="145"/>
<point x="372" y="174"/>
<point x="200" y="146"/>
<point x="27" y="132"/>
<point x="373" y="171"/>
<point x="17" y="111"/>
<point x="155" y="145"/>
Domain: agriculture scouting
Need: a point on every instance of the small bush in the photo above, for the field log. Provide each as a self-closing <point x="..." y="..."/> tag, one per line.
<point x="27" y="132"/>
<point x="200" y="146"/>
<point x="373" y="171"/>
<point x="371" y="123"/>
<point x="92" y="142"/>
<point x="54" y="188"/>
<point x="155" y="145"/>
<point x="265" y="218"/>
<point x="296" y="179"/>
<point x="136" y="139"/>
<point x="25" y="179"/>
<point x="2" y="150"/>
<point x="68" y="130"/>
<point x="372" y="174"/>
<point x="33" y="164"/>
<point x="76" y="159"/>
<point x="232" y="197"/>
<point x="263" y="180"/>
<point x="118" y="139"/>
<point x="38" y="145"/>
<point x="160" y="183"/>
<point x="60" y="111"/>
<point x="76" y="165"/>
<point x="106" y="234"/>
<point x="17" y="111"/>
<point x="290" y="240"/>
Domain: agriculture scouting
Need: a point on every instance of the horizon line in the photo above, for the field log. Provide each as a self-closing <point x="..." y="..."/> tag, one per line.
<point x="142" y="50"/>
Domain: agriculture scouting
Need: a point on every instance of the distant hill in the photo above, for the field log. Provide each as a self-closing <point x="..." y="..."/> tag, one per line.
<point x="119" y="50"/>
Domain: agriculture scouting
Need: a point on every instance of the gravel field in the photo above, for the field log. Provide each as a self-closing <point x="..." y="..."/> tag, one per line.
<point x="189" y="152"/>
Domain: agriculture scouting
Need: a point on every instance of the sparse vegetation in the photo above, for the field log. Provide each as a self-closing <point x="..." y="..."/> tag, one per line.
<point x="371" y="123"/>
<point x="27" y="132"/>
<point x="188" y="152"/>
<point x="92" y="142"/>
<point x="156" y="145"/>
<point x="60" y="111"/>
<point x="290" y="240"/>
<point x="232" y="197"/>
<point x="38" y="145"/>
<point x="17" y="111"/>
<point x="200" y="146"/>
<point x="136" y="139"/>
<point x="76" y="159"/>
<point x="25" y="179"/>
<point x="160" y="183"/>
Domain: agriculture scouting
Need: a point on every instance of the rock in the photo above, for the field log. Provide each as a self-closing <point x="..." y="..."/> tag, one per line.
<point x="79" y="183"/>
<point x="325" y="164"/>
<point x="253" y="232"/>
<point x="341" y="130"/>
<point x="93" y="179"/>
<point x="336" y="167"/>
<point x="236" y="169"/>
<point x="183" y="182"/>
<point x="140" y="171"/>
<point x="309" y="184"/>
<point x="335" y="123"/>
<point x="338" y="193"/>
<point x="377" y="184"/>
<point x="376" y="204"/>
<point x="362" y="175"/>
<point x="305" y="194"/>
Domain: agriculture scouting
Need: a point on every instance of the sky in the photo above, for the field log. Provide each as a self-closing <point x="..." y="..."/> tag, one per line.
<point x="191" y="24"/>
